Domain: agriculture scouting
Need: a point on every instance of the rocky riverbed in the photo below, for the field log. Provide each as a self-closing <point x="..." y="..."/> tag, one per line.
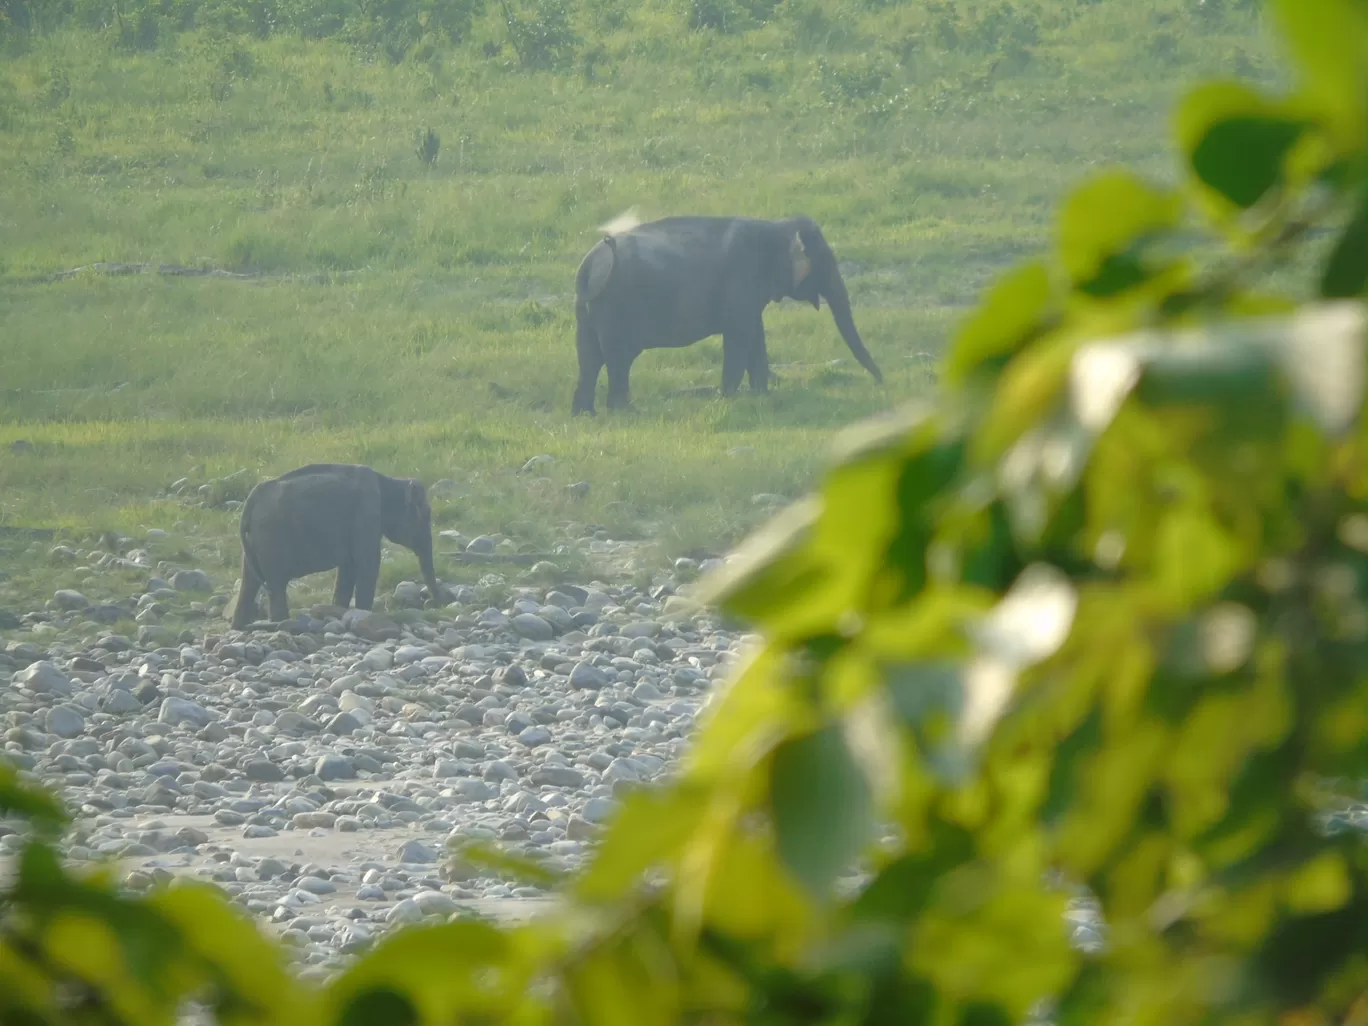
<point x="321" y="770"/>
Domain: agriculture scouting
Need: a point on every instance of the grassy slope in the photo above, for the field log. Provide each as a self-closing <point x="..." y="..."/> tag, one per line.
<point x="421" y="319"/>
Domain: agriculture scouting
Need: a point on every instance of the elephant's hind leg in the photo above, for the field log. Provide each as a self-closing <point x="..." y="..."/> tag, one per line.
<point x="619" y="372"/>
<point x="346" y="584"/>
<point x="590" y="355"/>
<point x="280" y="602"/>
<point x="246" y="610"/>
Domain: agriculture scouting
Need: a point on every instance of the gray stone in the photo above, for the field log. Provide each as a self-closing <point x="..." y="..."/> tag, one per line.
<point x="443" y="768"/>
<point x="182" y="710"/>
<point x="314" y="885"/>
<point x="482" y="545"/>
<point x="556" y="617"/>
<point x="646" y="691"/>
<point x="587" y="675"/>
<point x="342" y="724"/>
<point x="65" y="721"/>
<point x="68" y="599"/>
<point x="334" y="767"/>
<point x="416" y="852"/>
<point x="191" y="580"/>
<point x="475" y="790"/>
<point x="434" y="903"/>
<point x="44" y="678"/>
<point x="577" y="829"/>
<point x="262" y="770"/>
<point x="378" y="659"/>
<point x="404" y="912"/>
<point x="640" y="629"/>
<point x="556" y="776"/>
<point x="120" y="703"/>
<point x="151" y="635"/>
<point x="534" y="736"/>
<point x="532" y="626"/>
<point x="370" y="625"/>
<point x="409" y="593"/>
<point x="597" y="810"/>
<point x="313" y="820"/>
<point x="621" y="769"/>
<point x="511" y="676"/>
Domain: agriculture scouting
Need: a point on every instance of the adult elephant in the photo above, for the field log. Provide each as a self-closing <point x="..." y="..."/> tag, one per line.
<point x="325" y="516"/>
<point x="670" y="283"/>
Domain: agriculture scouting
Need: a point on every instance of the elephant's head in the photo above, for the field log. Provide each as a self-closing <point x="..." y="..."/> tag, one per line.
<point x="815" y="276"/>
<point x="408" y="522"/>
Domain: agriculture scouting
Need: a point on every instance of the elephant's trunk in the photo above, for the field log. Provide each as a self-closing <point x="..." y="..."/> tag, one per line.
<point x="422" y="547"/>
<point x="834" y="292"/>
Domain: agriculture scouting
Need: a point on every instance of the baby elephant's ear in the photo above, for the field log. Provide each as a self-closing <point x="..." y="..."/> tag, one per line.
<point x="414" y="498"/>
<point x="798" y="255"/>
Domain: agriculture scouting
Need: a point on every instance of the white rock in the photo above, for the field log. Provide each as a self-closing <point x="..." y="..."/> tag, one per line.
<point x="65" y="721"/>
<point x="182" y="710"/>
<point x="434" y="903"/>
<point x="378" y="659"/>
<point x="44" y="678"/>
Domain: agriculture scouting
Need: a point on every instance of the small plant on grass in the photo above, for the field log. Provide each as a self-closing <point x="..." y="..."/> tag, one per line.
<point x="427" y="147"/>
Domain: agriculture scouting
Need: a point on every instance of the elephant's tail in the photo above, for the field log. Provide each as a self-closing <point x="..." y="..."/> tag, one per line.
<point x="245" y="608"/>
<point x="249" y="557"/>
<point x="594" y="271"/>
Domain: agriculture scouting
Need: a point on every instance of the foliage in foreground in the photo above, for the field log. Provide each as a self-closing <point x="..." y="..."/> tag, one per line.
<point x="1095" y="616"/>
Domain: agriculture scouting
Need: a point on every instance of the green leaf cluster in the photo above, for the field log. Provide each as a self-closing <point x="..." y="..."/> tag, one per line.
<point x="1095" y="618"/>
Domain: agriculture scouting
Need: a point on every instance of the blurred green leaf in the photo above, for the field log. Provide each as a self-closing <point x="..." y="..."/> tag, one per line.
<point x="1328" y="39"/>
<point x="820" y="801"/>
<point x="1012" y="309"/>
<point x="1236" y="139"/>
<point x="1242" y="157"/>
<point x="379" y="1006"/>
<point x="32" y="803"/>
<point x="1102" y="223"/>
<point x="481" y="853"/>
<point x="1346" y="271"/>
<point x="648" y="828"/>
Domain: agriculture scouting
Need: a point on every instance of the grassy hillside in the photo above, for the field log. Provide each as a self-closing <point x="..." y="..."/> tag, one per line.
<point x="418" y="316"/>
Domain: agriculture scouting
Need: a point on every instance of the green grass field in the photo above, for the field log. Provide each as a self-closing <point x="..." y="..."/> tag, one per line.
<point x="419" y="317"/>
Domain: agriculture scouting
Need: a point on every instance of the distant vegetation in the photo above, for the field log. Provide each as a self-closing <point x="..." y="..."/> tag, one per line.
<point x="413" y="184"/>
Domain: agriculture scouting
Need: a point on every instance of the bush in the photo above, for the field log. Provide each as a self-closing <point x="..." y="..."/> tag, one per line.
<point x="1093" y="620"/>
<point x="540" y="33"/>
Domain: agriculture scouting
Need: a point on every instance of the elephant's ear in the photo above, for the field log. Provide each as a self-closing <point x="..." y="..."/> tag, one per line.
<point x="801" y="264"/>
<point x="414" y="498"/>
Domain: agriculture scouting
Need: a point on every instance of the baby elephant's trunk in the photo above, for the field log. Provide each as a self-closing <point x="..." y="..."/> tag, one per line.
<point x="422" y="547"/>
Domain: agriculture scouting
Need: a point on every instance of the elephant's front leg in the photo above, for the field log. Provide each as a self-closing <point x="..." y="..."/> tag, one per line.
<point x="739" y="344"/>
<point x="758" y="369"/>
<point x="366" y="565"/>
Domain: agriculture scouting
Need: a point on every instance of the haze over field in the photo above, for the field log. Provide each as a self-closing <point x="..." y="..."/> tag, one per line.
<point x="410" y="296"/>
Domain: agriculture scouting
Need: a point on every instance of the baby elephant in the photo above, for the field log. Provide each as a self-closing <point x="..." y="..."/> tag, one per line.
<point x="323" y="516"/>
